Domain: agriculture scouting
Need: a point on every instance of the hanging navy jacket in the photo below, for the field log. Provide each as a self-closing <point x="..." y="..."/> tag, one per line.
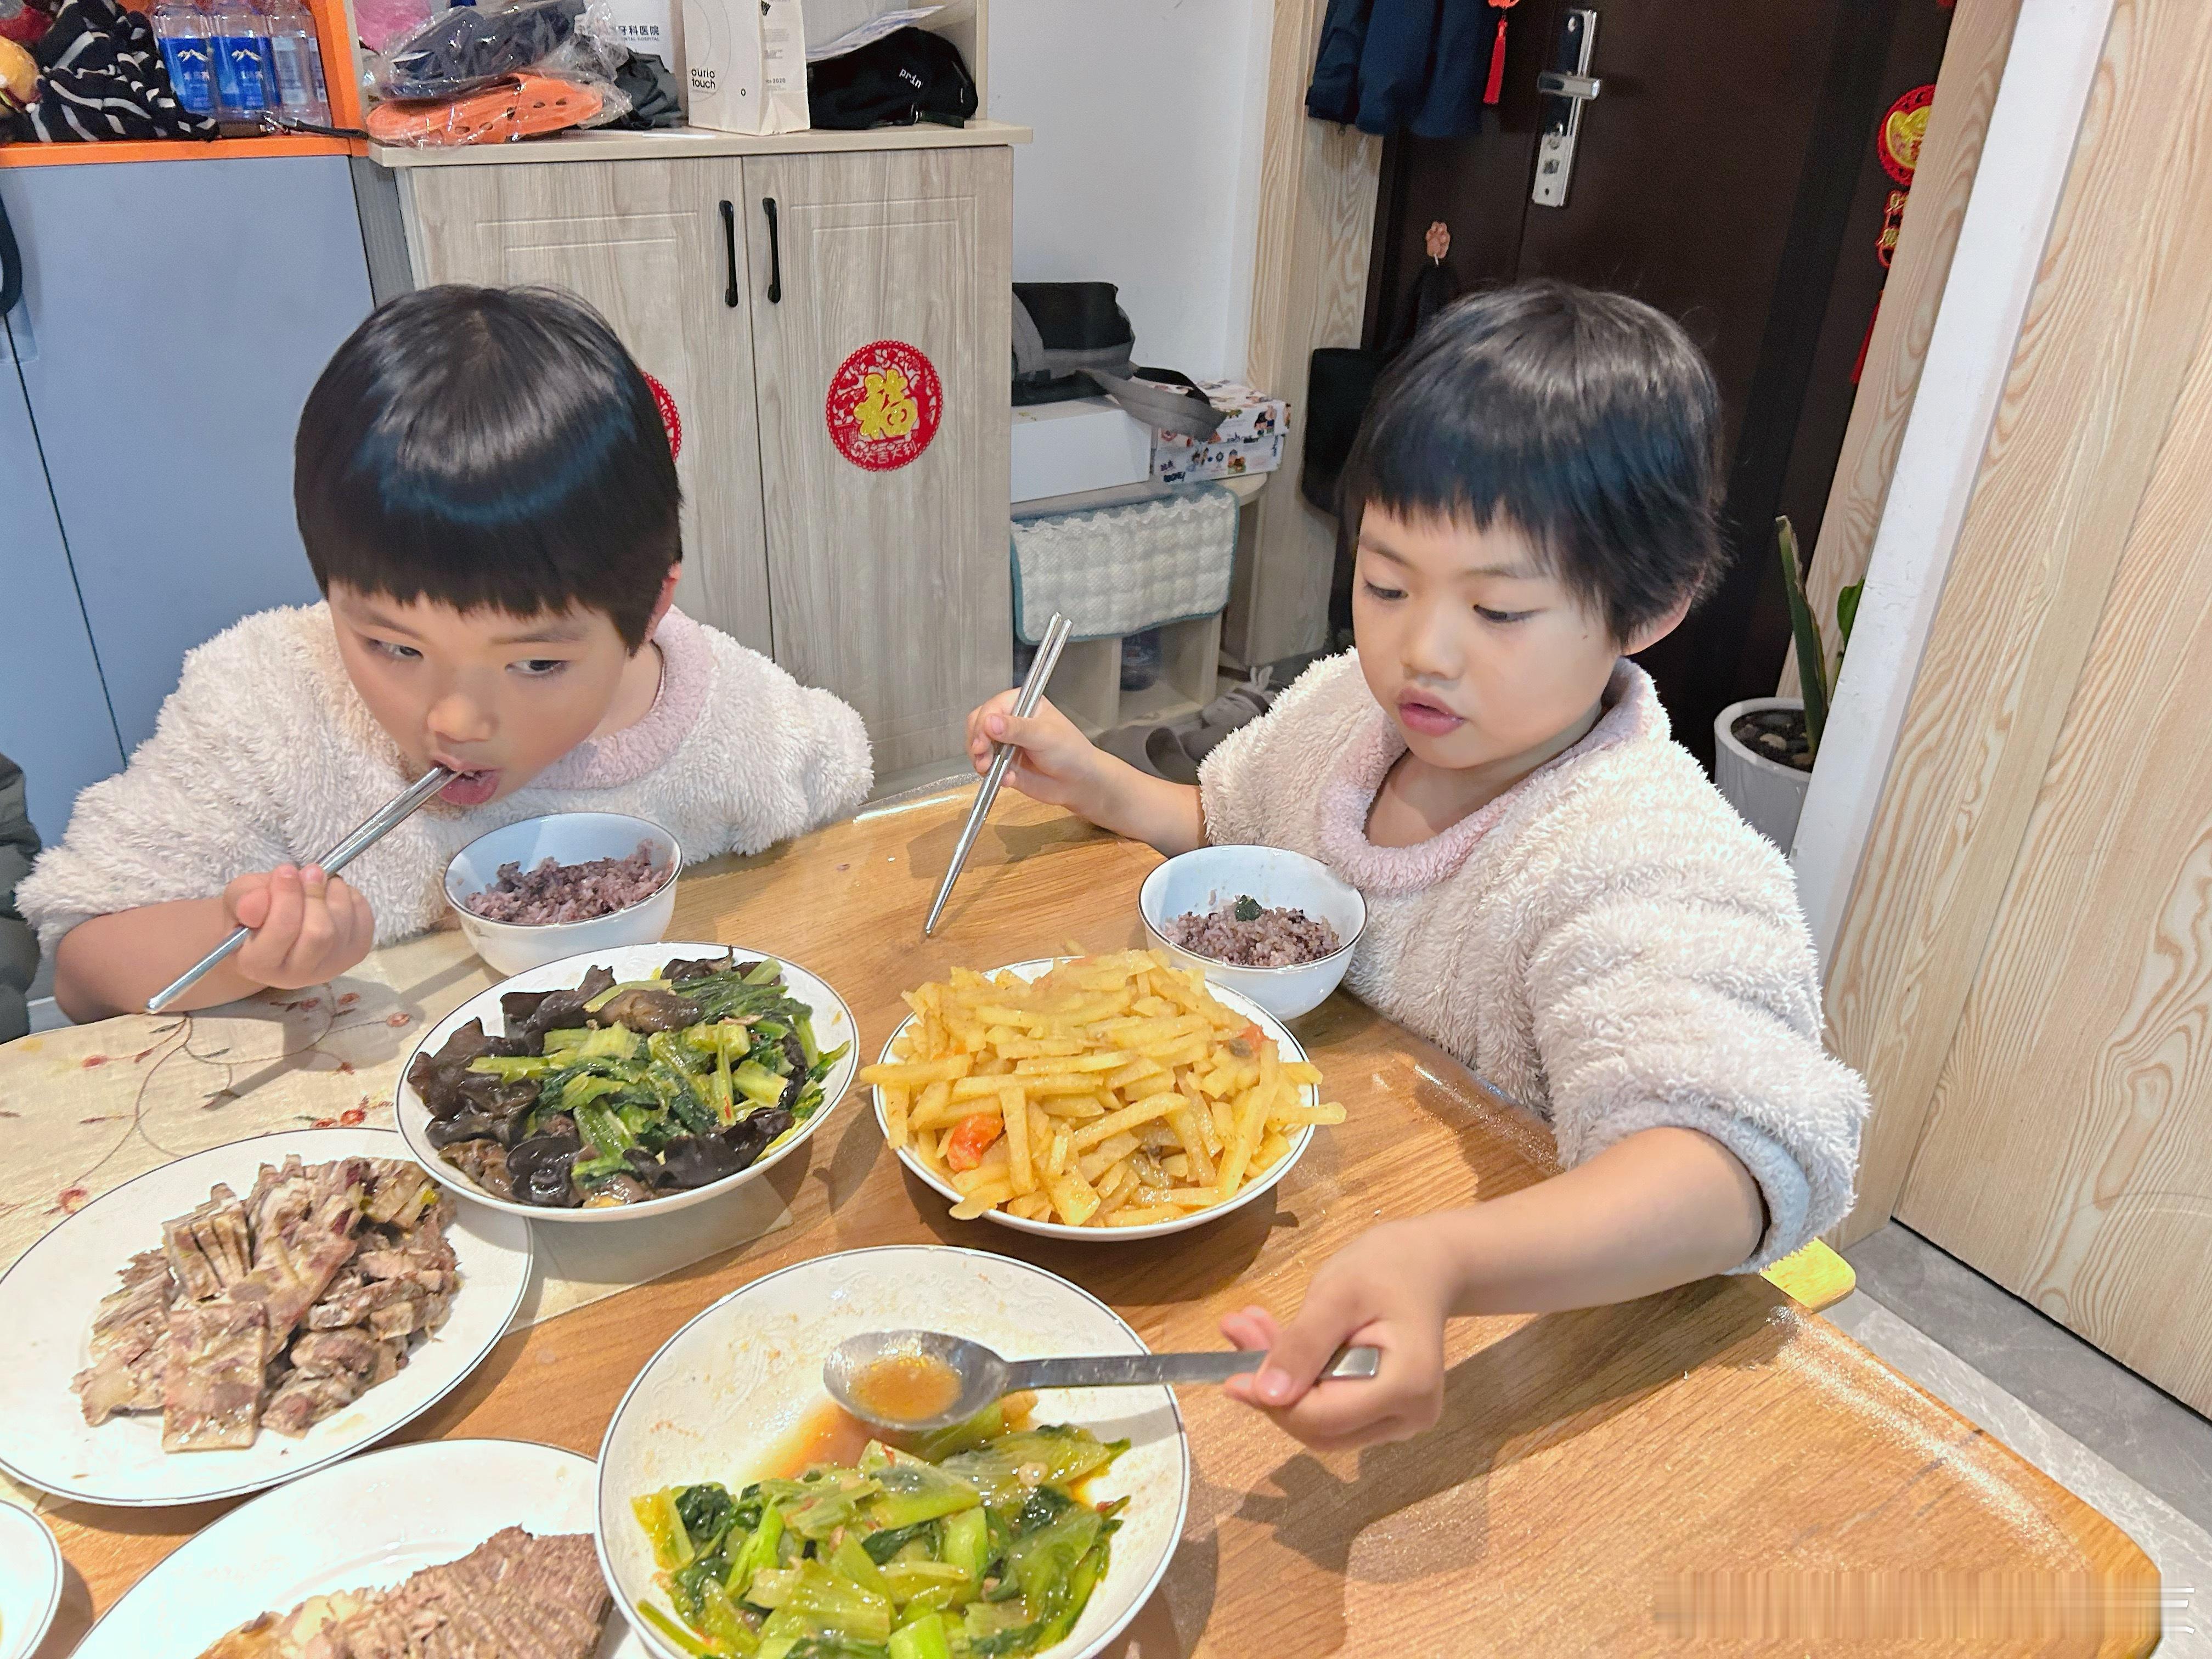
<point x="1415" y="65"/>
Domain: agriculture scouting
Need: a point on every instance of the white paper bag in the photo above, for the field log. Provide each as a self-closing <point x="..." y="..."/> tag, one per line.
<point x="745" y="65"/>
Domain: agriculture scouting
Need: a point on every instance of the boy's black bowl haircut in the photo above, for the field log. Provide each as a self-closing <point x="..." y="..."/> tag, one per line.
<point x="489" y="448"/>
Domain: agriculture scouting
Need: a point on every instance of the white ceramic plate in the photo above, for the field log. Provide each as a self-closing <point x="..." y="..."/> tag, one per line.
<point x="30" y="1581"/>
<point x="724" y="1393"/>
<point x="365" y="1524"/>
<point x="1287" y="1045"/>
<point x="833" y="1024"/>
<point x="51" y="1294"/>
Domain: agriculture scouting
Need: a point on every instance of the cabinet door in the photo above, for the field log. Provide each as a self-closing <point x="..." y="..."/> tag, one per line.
<point x="645" y="243"/>
<point x="890" y="588"/>
<point x="182" y="310"/>
<point x="54" y="721"/>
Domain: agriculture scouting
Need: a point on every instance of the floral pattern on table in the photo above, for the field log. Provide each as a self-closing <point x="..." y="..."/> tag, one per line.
<point x="86" y="1108"/>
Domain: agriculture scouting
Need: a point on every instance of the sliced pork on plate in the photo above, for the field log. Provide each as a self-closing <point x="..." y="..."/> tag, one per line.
<point x="276" y="1309"/>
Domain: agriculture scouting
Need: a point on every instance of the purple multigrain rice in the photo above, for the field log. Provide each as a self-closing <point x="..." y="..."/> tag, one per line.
<point x="1269" y="938"/>
<point x="570" y="892"/>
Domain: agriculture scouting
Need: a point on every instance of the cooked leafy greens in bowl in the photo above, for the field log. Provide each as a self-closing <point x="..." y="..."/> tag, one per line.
<point x="970" y="1542"/>
<point x="612" y="1092"/>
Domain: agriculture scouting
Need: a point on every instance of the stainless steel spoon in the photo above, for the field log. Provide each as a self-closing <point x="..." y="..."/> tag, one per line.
<point x="986" y="1376"/>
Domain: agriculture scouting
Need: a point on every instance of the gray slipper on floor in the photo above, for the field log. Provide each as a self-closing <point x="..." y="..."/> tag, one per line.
<point x="1168" y="752"/>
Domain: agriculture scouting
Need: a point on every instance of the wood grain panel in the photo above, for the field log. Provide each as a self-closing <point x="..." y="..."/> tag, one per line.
<point x="2110" y="332"/>
<point x="1309" y="290"/>
<point x="2069" y="1151"/>
<point x="1950" y="153"/>
<point x="643" y="242"/>
<point x="890" y="588"/>
<point x="1598" y="1477"/>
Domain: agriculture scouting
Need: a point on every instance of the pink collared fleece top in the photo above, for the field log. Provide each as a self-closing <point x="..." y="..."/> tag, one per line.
<point x="1607" y="942"/>
<point x="264" y="754"/>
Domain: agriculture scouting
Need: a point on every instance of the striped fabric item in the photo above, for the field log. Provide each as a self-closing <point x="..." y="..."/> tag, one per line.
<point x="103" y="78"/>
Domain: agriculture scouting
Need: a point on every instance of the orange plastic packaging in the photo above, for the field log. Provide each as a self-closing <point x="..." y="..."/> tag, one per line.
<point x="521" y="107"/>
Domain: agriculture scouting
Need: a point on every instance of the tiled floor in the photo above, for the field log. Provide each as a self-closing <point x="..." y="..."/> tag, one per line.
<point x="2141" y="1456"/>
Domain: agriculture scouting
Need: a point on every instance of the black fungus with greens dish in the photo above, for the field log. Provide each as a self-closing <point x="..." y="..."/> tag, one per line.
<point x="610" y="1093"/>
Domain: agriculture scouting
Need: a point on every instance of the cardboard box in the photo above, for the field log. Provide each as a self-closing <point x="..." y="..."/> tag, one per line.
<point x="745" y="65"/>
<point x="1086" y="443"/>
<point x="1250" y="439"/>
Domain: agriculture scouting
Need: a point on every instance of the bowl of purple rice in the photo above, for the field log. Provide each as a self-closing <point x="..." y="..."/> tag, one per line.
<point x="1273" y="924"/>
<point x="545" y="888"/>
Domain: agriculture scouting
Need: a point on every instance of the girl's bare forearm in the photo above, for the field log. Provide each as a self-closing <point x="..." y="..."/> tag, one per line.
<point x="1661" y="1208"/>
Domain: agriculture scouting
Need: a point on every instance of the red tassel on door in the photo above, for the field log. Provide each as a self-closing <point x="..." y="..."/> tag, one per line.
<point x="1494" y="88"/>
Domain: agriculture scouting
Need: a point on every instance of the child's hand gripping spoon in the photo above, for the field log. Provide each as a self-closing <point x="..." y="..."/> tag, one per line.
<point x="1056" y="636"/>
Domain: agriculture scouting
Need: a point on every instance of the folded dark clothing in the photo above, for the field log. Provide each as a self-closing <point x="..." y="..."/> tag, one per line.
<point x="651" y="89"/>
<point x="102" y="77"/>
<point x="466" y="48"/>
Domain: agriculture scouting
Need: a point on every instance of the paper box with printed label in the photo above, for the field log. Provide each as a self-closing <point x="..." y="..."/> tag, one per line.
<point x="648" y="27"/>
<point x="1250" y="439"/>
<point x="745" y="65"/>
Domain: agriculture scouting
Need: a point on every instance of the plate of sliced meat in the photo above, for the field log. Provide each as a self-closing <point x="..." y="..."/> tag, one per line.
<point x="242" y="1316"/>
<point x="448" y="1548"/>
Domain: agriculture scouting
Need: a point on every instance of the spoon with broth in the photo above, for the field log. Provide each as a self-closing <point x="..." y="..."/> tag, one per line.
<point x="911" y="1382"/>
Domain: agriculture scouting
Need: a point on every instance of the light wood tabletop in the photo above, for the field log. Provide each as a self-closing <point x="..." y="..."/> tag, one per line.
<point x="1714" y="1470"/>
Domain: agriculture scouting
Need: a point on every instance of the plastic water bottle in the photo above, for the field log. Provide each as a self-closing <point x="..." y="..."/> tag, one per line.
<point x="297" y="57"/>
<point x="239" y="36"/>
<point x="182" y="29"/>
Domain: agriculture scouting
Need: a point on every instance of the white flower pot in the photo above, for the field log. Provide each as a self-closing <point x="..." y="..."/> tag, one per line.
<point x="1768" y="794"/>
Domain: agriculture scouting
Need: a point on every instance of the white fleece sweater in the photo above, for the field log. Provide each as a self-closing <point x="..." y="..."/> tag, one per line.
<point x="265" y="753"/>
<point x="1608" y="943"/>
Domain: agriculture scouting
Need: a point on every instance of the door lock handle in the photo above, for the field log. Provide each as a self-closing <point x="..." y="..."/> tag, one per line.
<point x="1556" y="83"/>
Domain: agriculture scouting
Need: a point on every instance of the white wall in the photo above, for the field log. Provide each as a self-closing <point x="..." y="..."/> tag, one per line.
<point x="1144" y="170"/>
<point x="2032" y="125"/>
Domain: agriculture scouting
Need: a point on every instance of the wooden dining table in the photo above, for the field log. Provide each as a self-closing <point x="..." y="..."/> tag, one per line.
<point x="1713" y="1470"/>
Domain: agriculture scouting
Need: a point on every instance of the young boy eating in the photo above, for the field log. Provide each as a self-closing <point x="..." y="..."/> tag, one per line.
<point x="1555" y="892"/>
<point x="489" y="499"/>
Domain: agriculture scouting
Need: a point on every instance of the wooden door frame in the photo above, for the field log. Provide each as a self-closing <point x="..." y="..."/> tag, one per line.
<point x="1316" y="225"/>
<point x="2001" y="540"/>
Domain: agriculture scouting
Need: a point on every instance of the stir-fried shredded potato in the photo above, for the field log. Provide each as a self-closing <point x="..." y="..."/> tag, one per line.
<point x="1114" y="1091"/>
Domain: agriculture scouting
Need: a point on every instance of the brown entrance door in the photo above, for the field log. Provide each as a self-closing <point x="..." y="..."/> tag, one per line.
<point x="1726" y="172"/>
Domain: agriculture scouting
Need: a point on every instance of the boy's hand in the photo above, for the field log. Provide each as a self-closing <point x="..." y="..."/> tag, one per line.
<point x="1053" y="760"/>
<point x="1391" y="1288"/>
<point x="308" y="927"/>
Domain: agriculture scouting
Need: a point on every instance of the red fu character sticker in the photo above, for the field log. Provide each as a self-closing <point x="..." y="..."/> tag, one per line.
<point x="884" y="406"/>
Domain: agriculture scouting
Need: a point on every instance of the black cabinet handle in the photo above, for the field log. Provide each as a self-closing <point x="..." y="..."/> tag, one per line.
<point x="775" y="254"/>
<point x="730" y="295"/>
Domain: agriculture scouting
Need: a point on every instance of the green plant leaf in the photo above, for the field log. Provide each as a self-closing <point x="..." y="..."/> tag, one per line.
<point x="1812" y="660"/>
<point x="1847" y="612"/>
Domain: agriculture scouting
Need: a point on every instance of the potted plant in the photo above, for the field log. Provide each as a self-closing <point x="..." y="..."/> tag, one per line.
<point x="1764" y="747"/>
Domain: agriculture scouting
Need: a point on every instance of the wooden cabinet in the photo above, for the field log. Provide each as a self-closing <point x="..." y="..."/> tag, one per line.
<point x="645" y="244"/>
<point x="890" y="588"/>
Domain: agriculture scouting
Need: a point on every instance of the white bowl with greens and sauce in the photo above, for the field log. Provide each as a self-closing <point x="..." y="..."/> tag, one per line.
<point x="626" y="1082"/>
<point x="888" y="1538"/>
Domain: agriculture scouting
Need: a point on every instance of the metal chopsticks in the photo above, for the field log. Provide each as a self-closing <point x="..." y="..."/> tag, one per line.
<point x="386" y="818"/>
<point x="1056" y="636"/>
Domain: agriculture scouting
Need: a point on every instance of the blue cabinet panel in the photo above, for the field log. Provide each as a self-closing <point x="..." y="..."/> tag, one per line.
<point x="53" y="715"/>
<point x="181" y="311"/>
